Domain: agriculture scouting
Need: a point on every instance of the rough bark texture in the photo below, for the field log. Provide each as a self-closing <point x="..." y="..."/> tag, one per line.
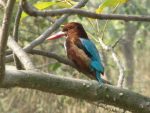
<point x="21" y="54"/>
<point x="87" y="90"/>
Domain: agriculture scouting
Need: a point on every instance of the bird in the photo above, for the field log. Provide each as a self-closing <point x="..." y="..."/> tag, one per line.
<point x="82" y="51"/>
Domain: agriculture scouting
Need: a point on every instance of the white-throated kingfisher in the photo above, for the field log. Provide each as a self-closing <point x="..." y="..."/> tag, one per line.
<point x="81" y="51"/>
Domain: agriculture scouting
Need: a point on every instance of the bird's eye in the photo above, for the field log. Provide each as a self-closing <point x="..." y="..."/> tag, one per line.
<point x="65" y="29"/>
<point x="70" y="27"/>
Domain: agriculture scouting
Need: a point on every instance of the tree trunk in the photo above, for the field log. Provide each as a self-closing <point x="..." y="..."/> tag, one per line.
<point x="128" y="52"/>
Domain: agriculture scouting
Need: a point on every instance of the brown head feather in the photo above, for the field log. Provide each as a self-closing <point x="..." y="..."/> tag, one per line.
<point x="74" y="28"/>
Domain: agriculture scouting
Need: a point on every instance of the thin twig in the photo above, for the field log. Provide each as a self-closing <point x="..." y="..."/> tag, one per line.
<point x="9" y="58"/>
<point x="117" y="41"/>
<point x="15" y="35"/>
<point x="4" y="35"/>
<point x="120" y="67"/>
<point x="117" y="61"/>
<point x="52" y="55"/>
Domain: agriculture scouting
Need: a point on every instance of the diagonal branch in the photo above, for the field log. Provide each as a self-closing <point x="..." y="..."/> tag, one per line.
<point x="34" y="12"/>
<point x="4" y="35"/>
<point x="51" y="29"/>
<point x="19" y="52"/>
<point x="87" y="90"/>
<point x="9" y="58"/>
<point x="52" y="55"/>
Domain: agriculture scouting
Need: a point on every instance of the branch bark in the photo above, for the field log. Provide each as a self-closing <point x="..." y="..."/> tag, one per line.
<point x="28" y="8"/>
<point x="82" y="89"/>
<point x="54" y="56"/>
<point x="19" y="52"/>
<point x="15" y="35"/>
<point x="4" y="35"/>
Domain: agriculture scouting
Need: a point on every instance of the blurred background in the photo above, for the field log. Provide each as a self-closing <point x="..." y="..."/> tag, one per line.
<point x="133" y="50"/>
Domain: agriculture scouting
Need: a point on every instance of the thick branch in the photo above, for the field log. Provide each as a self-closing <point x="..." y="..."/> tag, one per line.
<point x="19" y="52"/>
<point x="87" y="90"/>
<point x="4" y="35"/>
<point x="34" y="12"/>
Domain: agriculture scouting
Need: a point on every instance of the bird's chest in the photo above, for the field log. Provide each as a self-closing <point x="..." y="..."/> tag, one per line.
<point x="78" y="56"/>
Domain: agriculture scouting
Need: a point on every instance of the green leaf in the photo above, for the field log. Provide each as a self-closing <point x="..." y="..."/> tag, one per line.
<point x="40" y="6"/>
<point x="44" y="5"/>
<point x="63" y="4"/>
<point x="23" y="15"/>
<point x="17" y="1"/>
<point x="55" y="66"/>
<point x="109" y="3"/>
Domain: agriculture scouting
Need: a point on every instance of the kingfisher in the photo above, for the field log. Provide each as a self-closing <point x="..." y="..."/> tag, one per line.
<point x="81" y="51"/>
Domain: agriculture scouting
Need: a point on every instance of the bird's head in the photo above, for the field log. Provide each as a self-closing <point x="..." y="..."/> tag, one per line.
<point x="69" y="29"/>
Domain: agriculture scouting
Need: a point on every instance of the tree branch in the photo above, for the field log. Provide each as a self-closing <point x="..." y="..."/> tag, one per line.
<point x="54" y="56"/>
<point x="15" y="35"/>
<point x="28" y="8"/>
<point x="19" y="52"/>
<point x="87" y="90"/>
<point x="4" y="35"/>
<point x="117" y="61"/>
<point x="9" y="58"/>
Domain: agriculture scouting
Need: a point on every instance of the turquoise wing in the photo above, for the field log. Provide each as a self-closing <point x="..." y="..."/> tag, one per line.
<point x="91" y="50"/>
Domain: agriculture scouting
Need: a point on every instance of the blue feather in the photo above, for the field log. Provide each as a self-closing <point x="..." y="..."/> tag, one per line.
<point x="91" y="50"/>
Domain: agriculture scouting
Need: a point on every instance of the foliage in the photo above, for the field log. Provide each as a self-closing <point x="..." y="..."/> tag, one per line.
<point x="46" y="5"/>
<point x="109" y="3"/>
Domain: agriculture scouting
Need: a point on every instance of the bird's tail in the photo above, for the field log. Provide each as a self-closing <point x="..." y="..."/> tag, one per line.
<point x="106" y="82"/>
<point x="101" y="80"/>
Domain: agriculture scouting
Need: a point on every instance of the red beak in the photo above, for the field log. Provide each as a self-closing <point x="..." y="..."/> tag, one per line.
<point x="57" y="35"/>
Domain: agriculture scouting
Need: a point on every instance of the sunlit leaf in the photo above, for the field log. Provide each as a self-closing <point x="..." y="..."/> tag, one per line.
<point x="23" y="15"/>
<point x="55" y="66"/>
<point x="44" y="5"/>
<point x="109" y="3"/>
<point x="71" y="2"/>
<point x="63" y="5"/>
<point x="17" y="1"/>
<point x="40" y="6"/>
